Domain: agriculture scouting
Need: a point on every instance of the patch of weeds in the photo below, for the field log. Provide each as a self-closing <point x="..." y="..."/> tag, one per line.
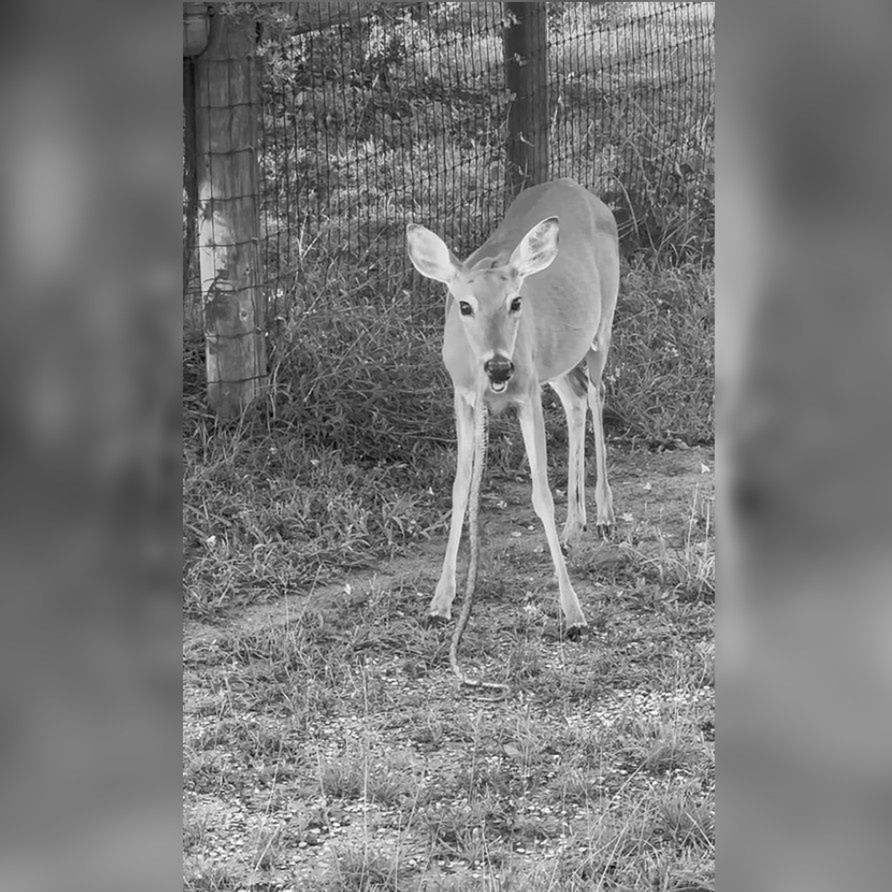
<point x="465" y="829"/>
<point x="575" y="784"/>
<point x="266" y="514"/>
<point x="486" y="776"/>
<point x="658" y="747"/>
<point x="661" y="372"/>
<point x="215" y="706"/>
<point x="358" y="775"/>
<point x="254" y="741"/>
<point x="566" y="687"/>
<point x="606" y="564"/>
<point x="527" y="749"/>
<point x="205" y="772"/>
<point x="685" y="572"/>
<point x="426" y="730"/>
<point x="268" y="847"/>
<point x="359" y="868"/>
<point x="202" y="876"/>
<point x="586" y="746"/>
<point x="695" y="667"/>
<point x="395" y="780"/>
<point x="603" y="850"/>
<point x="534" y="828"/>
<point x="387" y="624"/>
<point x="194" y="831"/>
<point x="343" y="777"/>
<point x="214" y="736"/>
<point x="524" y="661"/>
<point x="685" y="822"/>
<point x="669" y="754"/>
<point x="304" y="668"/>
<point x="202" y="655"/>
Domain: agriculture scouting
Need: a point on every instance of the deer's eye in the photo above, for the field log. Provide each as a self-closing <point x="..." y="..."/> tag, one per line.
<point x="515" y="305"/>
<point x="465" y="308"/>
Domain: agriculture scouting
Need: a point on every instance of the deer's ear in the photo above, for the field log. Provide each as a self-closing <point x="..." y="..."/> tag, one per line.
<point x="537" y="249"/>
<point x="429" y="254"/>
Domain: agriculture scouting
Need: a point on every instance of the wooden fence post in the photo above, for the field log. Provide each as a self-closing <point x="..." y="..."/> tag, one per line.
<point x="524" y="43"/>
<point x="190" y="181"/>
<point x="227" y="109"/>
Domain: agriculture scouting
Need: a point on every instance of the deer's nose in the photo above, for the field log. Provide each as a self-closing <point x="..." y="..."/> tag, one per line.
<point x="499" y="369"/>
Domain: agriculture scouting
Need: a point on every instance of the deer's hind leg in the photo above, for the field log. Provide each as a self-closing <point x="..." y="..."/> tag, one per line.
<point x="572" y="389"/>
<point x="596" y="359"/>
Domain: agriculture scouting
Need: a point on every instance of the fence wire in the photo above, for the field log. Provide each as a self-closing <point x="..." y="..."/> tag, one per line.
<point x="376" y="115"/>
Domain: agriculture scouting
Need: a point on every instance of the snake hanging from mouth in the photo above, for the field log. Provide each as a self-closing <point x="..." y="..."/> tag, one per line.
<point x="481" y="439"/>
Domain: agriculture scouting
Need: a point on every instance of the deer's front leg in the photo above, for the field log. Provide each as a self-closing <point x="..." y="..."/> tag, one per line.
<point x="441" y="604"/>
<point x="532" y="425"/>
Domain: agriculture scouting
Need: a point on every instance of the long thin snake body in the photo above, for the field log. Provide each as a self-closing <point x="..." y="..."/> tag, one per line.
<point x="481" y="439"/>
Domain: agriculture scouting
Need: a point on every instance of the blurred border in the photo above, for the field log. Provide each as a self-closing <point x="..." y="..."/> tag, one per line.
<point x="804" y="327"/>
<point x="90" y="365"/>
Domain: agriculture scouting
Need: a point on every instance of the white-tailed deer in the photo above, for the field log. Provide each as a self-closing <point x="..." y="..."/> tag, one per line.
<point x="523" y="311"/>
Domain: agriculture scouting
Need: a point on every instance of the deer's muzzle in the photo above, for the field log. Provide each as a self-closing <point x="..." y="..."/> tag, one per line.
<point x="499" y="369"/>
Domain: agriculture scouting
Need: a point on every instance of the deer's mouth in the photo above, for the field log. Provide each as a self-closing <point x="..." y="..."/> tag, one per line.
<point x="499" y="370"/>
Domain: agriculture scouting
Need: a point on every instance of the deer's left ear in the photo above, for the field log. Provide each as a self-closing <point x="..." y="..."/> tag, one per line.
<point x="537" y="249"/>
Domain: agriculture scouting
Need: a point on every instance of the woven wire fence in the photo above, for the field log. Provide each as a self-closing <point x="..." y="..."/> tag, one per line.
<point x="377" y="115"/>
<point x="632" y="102"/>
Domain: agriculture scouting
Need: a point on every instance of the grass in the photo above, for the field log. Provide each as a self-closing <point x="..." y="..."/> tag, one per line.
<point x="662" y="370"/>
<point x="686" y="570"/>
<point x="331" y="729"/>
<point x="532" y="799"/>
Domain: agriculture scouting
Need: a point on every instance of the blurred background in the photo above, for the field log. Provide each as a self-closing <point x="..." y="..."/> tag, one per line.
<point x="89" y="479"/>
<point x="803" y="361"/>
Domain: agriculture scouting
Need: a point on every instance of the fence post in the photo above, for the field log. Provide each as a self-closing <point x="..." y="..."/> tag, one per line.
<point x="190" y="182"/>
<point x="524" y="44"/>
<point x="227" y="109"/>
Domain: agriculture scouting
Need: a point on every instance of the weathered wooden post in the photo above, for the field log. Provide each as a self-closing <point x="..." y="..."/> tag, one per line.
<point x="524" y="43"/>
<point x="227" y="108"/>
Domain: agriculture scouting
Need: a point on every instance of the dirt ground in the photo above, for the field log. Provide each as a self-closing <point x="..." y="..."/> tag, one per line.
<point x="327" y="743"/>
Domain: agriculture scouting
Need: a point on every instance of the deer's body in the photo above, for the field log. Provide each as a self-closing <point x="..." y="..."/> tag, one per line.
<point x="526" y="309"/>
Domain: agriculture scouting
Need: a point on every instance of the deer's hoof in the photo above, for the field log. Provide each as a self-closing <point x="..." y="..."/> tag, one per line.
<point x="576" y="631"/>
<point x="434" y="621"/>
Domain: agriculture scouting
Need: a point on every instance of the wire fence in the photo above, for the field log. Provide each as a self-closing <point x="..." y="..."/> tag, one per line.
<point x="376" y="115"/>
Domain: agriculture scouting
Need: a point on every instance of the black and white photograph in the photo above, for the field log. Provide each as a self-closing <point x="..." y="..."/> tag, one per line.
<point x="448" y="443"/>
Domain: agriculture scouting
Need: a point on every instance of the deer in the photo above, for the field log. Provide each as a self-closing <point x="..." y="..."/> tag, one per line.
<point x="532" y="306"/>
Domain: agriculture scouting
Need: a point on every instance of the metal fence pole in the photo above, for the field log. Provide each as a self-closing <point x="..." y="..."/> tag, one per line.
<point x="524" y="43"/>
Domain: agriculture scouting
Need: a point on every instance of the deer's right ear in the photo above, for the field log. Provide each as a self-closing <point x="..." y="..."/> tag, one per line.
<point x="429" y="254"/>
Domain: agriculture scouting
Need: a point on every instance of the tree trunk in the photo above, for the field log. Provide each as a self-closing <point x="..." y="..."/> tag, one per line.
<point x="524" y="44"/>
